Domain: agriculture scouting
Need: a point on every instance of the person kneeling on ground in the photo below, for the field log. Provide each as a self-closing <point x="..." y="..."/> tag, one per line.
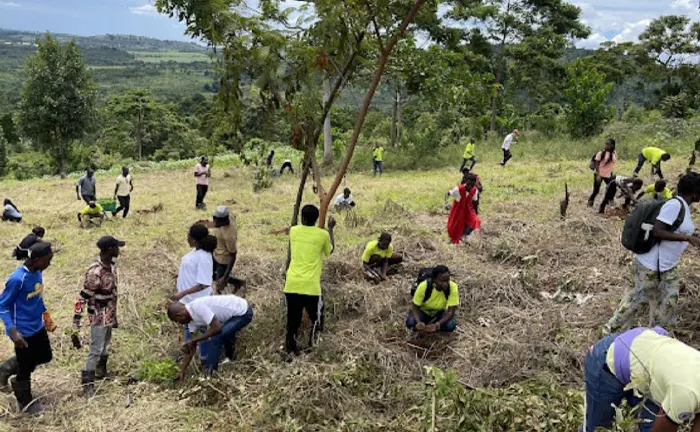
<point x="434" y="304"/>
<point x="27" y="321"/>
<point x="643" y="366"/>
<point x="21" y="251"/>
<point x="344" y="201"/>
<point x="99" y="297"/>
<point x="378" y="257"/>
<point x="628" y="187"/>
<point x="92" y="215"/>
<point x="10" y="212"/>
<point x="224" y="315"/>
<point x="658" y="190"/>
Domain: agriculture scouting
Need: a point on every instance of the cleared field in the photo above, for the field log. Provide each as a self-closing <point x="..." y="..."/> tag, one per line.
<point x="519" y="351"/>
<point x="165" y="56"/>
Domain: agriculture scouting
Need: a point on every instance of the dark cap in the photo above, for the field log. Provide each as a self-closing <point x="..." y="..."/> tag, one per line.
<point x="40" y="249"/>
<point x="108" y="242"/>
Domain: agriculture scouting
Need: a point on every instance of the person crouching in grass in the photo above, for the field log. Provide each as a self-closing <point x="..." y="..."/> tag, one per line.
<point x="92" y="215"/>
<point x="378" y="257"/>
<point x="435" y="304"/>
<point x="223" y="315"/>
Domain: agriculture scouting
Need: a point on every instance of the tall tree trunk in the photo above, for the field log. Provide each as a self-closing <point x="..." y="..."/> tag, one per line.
<point x="327" y="136"/>
<point x="62" y="160"/>
<point x="395" y="117"/>
<point x="362" y="115"/>
<point x="300" y="194"/>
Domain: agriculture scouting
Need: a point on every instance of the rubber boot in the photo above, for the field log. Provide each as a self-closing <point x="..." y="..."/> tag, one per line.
<point x="23" y="393"/>
<point x="101" y="369"/>
<point x="88" y="382"/>
<point x="7" y="369"/>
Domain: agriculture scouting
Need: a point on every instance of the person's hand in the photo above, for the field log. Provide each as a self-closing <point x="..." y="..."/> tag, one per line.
<point x="331" y="222"/>
<point x="75" y="340"/>
<point x="189" y="347"/>
<point x="176" y="297"/>
<point x="695" y="241"/>
<point x="179" y="377"/>
<point x="420" y="326"/>
<point x="382" y="277"/>
<point x="221" y="285"/>
<point x="18" y="339"/>
<point x="431" y="328"/>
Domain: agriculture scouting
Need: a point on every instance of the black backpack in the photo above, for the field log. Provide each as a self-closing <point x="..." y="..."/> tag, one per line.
<point x="636" y="234"/>
<point x="424" y="275"/>
<point x="594" y="163"/>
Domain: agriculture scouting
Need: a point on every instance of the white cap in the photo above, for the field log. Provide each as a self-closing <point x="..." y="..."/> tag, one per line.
<point x="221" y="212"/>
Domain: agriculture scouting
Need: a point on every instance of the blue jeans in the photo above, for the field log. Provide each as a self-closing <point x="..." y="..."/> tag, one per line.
<point x="226" y="338"/>
<point x="449" y="326"/>
<point x="378" y="166"/>
<point x="203" y="345"/>
<point x="604" y="390"/>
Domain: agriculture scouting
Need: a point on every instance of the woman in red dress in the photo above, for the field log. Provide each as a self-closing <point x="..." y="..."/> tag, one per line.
<point x="463" y="218"/>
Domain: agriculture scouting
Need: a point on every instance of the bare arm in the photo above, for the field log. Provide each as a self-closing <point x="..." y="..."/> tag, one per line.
<point x="385" y="268"/>
<point x="195" y="289"/>
<point x="663" y="424"/>
<point x="663" y="232"/>
<point x="131" y="186"/>
<point x="447" y="315"/>
<point x="77" y="190"/>
<point x="214" y="329"/>
<point x="330" y="232"/>
<point x="696" y="425"/>
<point x="416" y="313"/>
<point x="116" y="188"/>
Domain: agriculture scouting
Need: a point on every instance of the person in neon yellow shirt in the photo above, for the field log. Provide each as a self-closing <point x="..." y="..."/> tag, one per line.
<point x="378" y="257"/>
<point x="308" y="245"/>
<point x="435" y="303"/>
<point x="378" y="158"/>
<point x="92" y="215"/>
<point x="648" y="363"/>
<point x="654" y="155"/>
<point x="469" y="155"/>
<point x="658" y="190"/>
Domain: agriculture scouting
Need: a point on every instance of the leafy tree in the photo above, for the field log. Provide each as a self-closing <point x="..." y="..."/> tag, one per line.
<point x="526" y="37"/>
<point x="586" y="97"/>
<point x="7" y="124"/>
<point x="58" y="99"/>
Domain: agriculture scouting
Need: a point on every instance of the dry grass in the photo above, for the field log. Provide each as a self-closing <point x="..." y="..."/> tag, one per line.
<point x="519" y="318"/>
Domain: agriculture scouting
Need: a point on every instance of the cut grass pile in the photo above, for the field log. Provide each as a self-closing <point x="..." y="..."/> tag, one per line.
<point x="534" y="291"/>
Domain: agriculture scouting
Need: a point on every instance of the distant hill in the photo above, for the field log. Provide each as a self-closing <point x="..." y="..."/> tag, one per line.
<point x="123" y="42"/>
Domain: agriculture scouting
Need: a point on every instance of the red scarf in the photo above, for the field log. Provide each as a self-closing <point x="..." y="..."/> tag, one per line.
<point x="462" y="215"/>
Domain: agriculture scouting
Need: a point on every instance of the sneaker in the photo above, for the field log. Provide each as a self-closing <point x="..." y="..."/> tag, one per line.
<point x="226" y="360"/>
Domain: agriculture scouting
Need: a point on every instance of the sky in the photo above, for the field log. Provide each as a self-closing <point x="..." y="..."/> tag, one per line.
<point x="616" y="20"/>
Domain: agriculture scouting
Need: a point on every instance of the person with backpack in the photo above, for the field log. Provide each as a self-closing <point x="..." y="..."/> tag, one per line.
<point x="658" y="233"/>
<point x="435" y="302"/>
<point x="628" y="186"/>
<point x="21" y="251"/>
<point x="603" y="166"/>
<point x="644" y="367"/>
<point x="654" y="155"/>
<point x="463" y="219"/>
<point x="378" y="257"/>
<point x="469" y="155"/>
<point x="657" y="191"/>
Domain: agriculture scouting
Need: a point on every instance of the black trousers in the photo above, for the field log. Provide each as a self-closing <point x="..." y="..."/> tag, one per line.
<point x="124" y="204"/>
<point x="6" y="217"/>
<point x="610" y="197"/>
<point x="285" y="166"/>
<point x="655" y="169"/>
<point x="220" y="269"/>
<point x="464" y="163"/>
<point x="38" y="352"/>
<point x="201" y="193"/>
<point x="507" y="155"/>
<point x="597" y="183"/>
<point x="296" y="304"/>
<point x="88" y="198"/>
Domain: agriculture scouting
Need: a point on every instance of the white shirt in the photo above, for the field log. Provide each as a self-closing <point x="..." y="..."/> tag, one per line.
<point x="197" y="267"/>
<point x="507" y="142"/>
<point x="123" y="185"/>
<point x="223" y="307"/>
<point x="340" y="199"/>
<point x="666" y="254"/>
<point x="620" y="180"/>
<point x="454" y="193"/>
<point x="11" y="211"/>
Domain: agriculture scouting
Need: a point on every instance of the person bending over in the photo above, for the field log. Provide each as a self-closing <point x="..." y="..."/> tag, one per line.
<point x="92" y="215"/>
<point x="658" y="190"/>
<point x="10" y="212"/>
<point x="344" y="201"/>
<point x="21" y="251"/>
<point x="655" y="156"/>
<point x="628" y="187"/>
<point x="435" y="303"/>
<point x="223" y="316"/>
<point x="287" y="165"/>
<point x="378" y="257"/>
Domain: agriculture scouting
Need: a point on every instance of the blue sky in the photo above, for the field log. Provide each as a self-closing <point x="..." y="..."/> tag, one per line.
<point x="618" y="20"/>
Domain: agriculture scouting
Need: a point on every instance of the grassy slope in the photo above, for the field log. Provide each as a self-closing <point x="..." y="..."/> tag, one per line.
<point x="363" y="375"/>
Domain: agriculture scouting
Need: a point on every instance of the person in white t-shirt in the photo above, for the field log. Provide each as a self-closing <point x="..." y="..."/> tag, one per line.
<point x="224" y="316"/>
<point x="122" y="192"/>
<point x="195" y="276"/>
<point x="656" y="274"/>
<point x="344" y="201"/>
<point x="628" y="187"/>
<point x="507" y="143"/>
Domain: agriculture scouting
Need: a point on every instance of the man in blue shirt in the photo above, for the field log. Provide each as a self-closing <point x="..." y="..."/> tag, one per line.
<point x="26" y="321"/>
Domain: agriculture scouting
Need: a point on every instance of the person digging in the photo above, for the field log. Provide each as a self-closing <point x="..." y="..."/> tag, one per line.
<point x="379" y="257"/>
<point x="435" y="303"/>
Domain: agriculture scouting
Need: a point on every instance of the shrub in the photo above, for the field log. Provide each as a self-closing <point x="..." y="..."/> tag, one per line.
<point x="158" y="372"/>
<point x="28" y="165"/>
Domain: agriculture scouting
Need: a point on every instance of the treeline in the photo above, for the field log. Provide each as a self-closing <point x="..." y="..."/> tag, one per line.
<point x="274" y="86"/>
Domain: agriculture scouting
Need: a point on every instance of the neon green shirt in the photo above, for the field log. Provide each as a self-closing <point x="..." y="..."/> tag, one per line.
<point x="372" y="248"/>
<point x="89" y="211"/>
<point x="378" y="154"/>
<point x="437" y="301"/>
<point x="666" y="193"/>
<point x="309" y="244"/>
<point x="469" y="151"/>
<point x="653" y="154"/>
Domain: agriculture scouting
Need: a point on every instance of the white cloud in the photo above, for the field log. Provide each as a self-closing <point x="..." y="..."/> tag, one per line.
<point x="147" y="9"/>
<point x="592" y="42"/>
<point x="632" y="31"/>
<point x="8" y="4"/>
<point x="683" y="4"/>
